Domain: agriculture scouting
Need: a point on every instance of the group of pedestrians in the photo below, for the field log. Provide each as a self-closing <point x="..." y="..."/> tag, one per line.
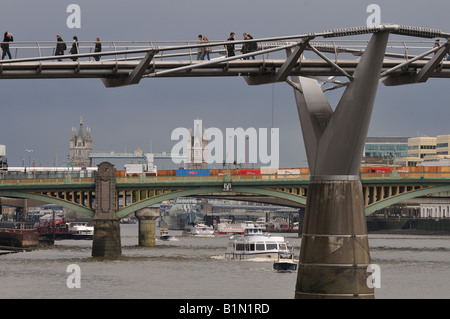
<point x="61" y="47"/>
<point x="246" y="47"/>
<point x="249" y="47"/>
<point x="204" y="52"/>
<point x="59" y="50"/>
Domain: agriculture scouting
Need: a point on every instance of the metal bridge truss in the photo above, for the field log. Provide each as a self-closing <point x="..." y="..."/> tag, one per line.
<point x="134" y="193"/>
<point x="126" y="63"/>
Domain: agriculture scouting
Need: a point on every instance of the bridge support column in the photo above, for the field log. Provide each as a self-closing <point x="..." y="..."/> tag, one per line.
<point x="334" y="252"/>
<point x="147" y="226"/>
<point x="106" y="241"/>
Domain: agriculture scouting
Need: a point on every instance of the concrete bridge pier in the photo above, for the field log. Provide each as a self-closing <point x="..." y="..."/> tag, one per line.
<point x="334" y="252"/>
<point x="147" y="226"/>
<point x="106" y="241"/>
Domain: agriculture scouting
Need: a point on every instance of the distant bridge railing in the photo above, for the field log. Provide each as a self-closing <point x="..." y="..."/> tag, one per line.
<point x="77" y="177"/>
<point x="405" y="175"/>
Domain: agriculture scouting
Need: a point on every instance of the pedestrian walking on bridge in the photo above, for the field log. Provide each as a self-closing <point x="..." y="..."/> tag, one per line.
<point x="5" y="45"/>
<point x="60" y="46"/>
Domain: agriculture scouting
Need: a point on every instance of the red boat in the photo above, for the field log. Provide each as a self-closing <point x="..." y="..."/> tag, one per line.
<point x="18" y="234"/>
<point x="60" y="231"/>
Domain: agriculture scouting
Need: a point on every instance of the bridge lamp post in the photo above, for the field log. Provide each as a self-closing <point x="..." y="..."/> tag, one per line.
<point x="69" y="163"/>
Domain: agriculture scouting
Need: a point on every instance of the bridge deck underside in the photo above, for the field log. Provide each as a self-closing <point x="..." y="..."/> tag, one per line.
<point x="112" y="69"/>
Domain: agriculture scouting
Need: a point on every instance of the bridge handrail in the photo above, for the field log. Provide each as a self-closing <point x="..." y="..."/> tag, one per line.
<point x="213" y="178"/>
<point x="129" y="49"/>
<point x="406" y="175"/>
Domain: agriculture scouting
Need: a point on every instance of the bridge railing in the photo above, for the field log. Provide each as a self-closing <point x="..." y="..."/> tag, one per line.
<point x="406" y="175"/>
<point x="213" y="178"/>
<point x="31" y="174"/>
<point x="187" y="50"/>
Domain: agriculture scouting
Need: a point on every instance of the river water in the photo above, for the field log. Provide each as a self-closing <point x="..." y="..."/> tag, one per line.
<point x="412" y="266"/>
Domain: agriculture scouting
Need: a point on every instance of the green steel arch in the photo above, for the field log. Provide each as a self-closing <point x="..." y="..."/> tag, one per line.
<point x="48" y="199"/>
<point x="408" y="195"/>
<point x="215" y="190"/>
<point x="208" y="190"/>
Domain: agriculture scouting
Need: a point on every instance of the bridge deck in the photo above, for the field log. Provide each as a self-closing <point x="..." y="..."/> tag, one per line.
<point x="117" y="69"/>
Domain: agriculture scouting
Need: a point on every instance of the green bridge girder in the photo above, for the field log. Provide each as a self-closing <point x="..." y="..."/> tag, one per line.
<point x="66" y="204"/>
<point x="402" y="197"/>
<point x="275" y="188"/>
<point x="210" y="190"/>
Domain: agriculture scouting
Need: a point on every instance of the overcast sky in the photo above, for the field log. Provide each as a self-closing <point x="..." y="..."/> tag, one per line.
<point x="40" y="114"/>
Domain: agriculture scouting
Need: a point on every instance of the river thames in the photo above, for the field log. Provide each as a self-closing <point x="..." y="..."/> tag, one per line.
<point x="412" y="267"/>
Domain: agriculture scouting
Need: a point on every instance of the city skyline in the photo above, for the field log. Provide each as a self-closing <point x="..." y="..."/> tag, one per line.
<point x="38" y="115"/>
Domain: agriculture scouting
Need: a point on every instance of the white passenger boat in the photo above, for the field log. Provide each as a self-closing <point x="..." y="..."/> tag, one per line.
<point x="198" y="230"/>
<point x="227" y="227"/>
<point x="81" y="230"/>
<point x="255" y="244"/>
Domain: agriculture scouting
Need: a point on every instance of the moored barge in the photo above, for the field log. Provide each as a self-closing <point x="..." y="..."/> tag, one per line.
<point x="18" y="234"/>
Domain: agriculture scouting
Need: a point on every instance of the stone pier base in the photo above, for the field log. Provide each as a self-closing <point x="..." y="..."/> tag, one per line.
<point x="106" y="242"/>
<point x="334" y="252"/>
<point x="147" y="226"/>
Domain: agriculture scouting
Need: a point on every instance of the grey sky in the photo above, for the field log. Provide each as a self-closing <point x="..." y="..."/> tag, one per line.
<point x="39" y="114"/>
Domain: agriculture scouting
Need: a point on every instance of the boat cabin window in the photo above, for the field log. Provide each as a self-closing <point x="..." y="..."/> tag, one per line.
<point x="271" y="245"/>
<point x="282" y="246"/>
<point x="260" y="246"/>
<point x="253" y="231"/>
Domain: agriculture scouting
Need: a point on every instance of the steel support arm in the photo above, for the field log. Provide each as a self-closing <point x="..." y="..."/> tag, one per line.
<point x="135" y="76"/>
<point x="291" y="61"/>
<point x="334" y="141"/>
<point x="334" y="65"/>
<point x="431" y="66"/>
